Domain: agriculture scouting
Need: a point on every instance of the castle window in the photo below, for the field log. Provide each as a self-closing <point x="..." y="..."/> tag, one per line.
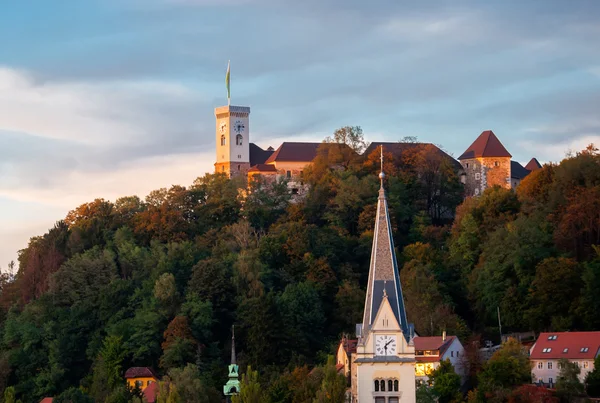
<point x="474" y="167"/>
<point x="477" y="176"/>
<point x="238" y="167"/>
<point x="476" y="191"/>
<point x="496" y="163"/>
<point x="288" y="174"/>
<point x="238" y="140"/>
<point x="376" y="386"/>
<point x="467" y="164"/>
<point x="390" y="385"/>
<point x="223" y="140"/>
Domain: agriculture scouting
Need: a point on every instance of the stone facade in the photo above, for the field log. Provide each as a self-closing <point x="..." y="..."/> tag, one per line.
<point x="484" y="172"/>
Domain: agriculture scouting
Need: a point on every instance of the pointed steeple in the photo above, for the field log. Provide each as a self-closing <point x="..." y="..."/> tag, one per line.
<point x="384" y="277"/>
<point x="233" y="345"/>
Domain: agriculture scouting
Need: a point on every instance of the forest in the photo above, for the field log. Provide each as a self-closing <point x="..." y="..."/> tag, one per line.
<point x="160" y="281"/>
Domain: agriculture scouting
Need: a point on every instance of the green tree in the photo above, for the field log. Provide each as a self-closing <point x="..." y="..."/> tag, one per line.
<point x="250" y="389"/>
<point x="568" y="385"/>
<point x="592" y="380"/>
<point x="73" y="395"/>
<point x="333" y="387"/>
<point x="446" y="383"/>
<point x="107" y="370"/>
<point x="10" y="395"/>
<point x="425" y="394"/>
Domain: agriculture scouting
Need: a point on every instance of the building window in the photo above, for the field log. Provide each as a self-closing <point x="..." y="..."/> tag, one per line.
<point x="497" y="164"/>
<point x="540" y="365"/>
<point x="451" y="353"/>
<point x="476" y="191"/>
<point x="474" y="167"/>
<point x="238" y="140"/>
<point x="380" y="400"/>
<point x="457" y="353"/>
<point x="467" y="164"/>
<point x="223" y="140"/>
<point x="376" y="386"/>
<point x="547" y="350"/>
<point x="139" y="384"/>
<point x="382" y="385"/>
<point x="566" y="350"/>
<point x="148" y="383"/>
<point x="390" y="385"/>
<point x="549" y="364"/>
<point x="550" y="380"/>
<point x="585" y="364"/>
<point x="238" y="167"/>
<point x="477" y="176"/>
<point x="584" y="349"/>
<point x="559" y="365"/>
<point x="396" y="385"/>
<point x="552" y="337"/>
<point x="392" y="399"/>
<point x="288" y="174"/>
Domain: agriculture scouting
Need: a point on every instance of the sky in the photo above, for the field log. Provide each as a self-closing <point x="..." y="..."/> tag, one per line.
<point x="110" y="98"/>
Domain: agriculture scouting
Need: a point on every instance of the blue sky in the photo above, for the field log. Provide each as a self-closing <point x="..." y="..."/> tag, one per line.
<point x="107" y="98"/>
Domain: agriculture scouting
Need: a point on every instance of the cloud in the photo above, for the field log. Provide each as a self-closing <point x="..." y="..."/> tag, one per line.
<point x="549" y="152"/>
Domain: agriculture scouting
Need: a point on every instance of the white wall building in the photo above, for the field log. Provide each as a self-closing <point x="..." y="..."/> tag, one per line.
<point x="430" y="351"/>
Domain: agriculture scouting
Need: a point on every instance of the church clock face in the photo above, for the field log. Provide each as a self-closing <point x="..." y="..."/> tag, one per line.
<point x="385" y="345"/>
<point x="239" y="126"/>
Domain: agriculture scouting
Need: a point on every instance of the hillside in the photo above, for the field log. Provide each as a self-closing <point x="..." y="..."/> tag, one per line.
<point x="159" y="282"/>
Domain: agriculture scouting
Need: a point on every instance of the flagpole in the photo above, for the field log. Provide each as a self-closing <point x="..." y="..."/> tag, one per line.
<point x="228" y="83"/>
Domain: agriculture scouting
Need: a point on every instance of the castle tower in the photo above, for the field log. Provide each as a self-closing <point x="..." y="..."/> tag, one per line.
<point x="384" y="363"/>
<point x="486" y="163"/>
<point x="233" y="140"/>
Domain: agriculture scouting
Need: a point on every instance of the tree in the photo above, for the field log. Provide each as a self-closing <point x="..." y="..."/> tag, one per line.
<point x="250" y="389"/>
<point x="568" y="385"/>
<point x="508" y="368"/>
<point x="73" y="395"/>
<point x="532" y="394"/>
<point x="333" y="387"/>
<point x="9" y="395"/>
<point x="592" y="380"/>
<point x="446" y="383"/>
<point x="425" y="394"/>
<point x="179" y="345"/>
<point x="189" y="386"/>
<point x="107" y="371"/>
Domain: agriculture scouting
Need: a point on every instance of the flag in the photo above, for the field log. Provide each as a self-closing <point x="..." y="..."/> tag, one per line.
<point x="227" y="82"/>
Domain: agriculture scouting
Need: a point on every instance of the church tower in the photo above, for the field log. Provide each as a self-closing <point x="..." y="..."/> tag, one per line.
<point x="233" y="140"/>
<point x="384" y="363"/>
<point x="232" y="387"/>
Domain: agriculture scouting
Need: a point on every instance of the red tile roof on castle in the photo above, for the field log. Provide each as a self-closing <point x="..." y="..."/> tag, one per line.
<point x="140" y="372"/>
<point x="263" y="168"/>
<point x="570" y="345"/>
<point x="349" y="345"/>
<point x="486" y="145"/>
<point x="298" y="152"/>
<point x="533" y="165"/>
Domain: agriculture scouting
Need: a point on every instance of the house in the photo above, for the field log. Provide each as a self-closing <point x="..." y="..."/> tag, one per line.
<point x="141" y="377"/>
<point x="578" y="347"/>
<point x="343" y="361"/>
<point x="430" y="351"/>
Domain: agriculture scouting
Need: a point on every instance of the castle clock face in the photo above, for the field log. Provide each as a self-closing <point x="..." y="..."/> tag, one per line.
<point x="223" y="127"/>
<point x="239" y="126"/>
<point x="385" y="345"/>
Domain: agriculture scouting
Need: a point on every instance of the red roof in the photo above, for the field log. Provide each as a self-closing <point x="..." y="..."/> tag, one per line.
<point x="486" y="145"/>
<point x="290" y="151"/>
<point x="533" y="164"/>
<point x="570" y="345"/>
<point x="150" y="392"/>
<point x="263" y="168"/>
<point x="433" y="343"/>
<point x="339" y="368"/>
<point x="47" y="400"/>
<point x="350" y="345"/>
<point x="140" y="372"/>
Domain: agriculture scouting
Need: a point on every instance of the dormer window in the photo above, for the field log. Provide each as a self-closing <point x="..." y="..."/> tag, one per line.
<point x="566" y="350"/>
<point x="552" y="337"/>
<point x="547" y="350"/>
<point x="584" y="349"/>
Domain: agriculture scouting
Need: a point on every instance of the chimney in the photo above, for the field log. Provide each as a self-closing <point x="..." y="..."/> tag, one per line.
<point x="444" y="335"/>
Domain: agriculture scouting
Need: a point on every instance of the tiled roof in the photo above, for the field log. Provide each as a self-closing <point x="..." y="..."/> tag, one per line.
<point x="150" y="392"/>
<point x="398" y="148"/>
<point x="263" y="168"/>
<point x="486" y="145"/>
<point x="258" y="155"/>
<point x="430" y="343"/>
<point x="339" y="368"/>
<point x="47" y="400"/>
<point x="140" y="372"/>
<point x="422" y="358"/>
<point x="296" y="152"/>
<point x="570" y="345"/>
<point x="533" y="164"/>
<point x="350" y="345"/>
<point x="517" y="171"/>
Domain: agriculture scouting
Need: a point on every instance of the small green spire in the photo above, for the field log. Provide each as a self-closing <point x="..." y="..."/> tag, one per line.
<point x="232" y="387"/>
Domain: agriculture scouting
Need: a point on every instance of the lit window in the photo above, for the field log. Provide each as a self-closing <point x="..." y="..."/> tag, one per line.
<point x="540" y="365"/>
<point x="585" y="364"/>
<point x="223" y="141"/>
<point x="549" y="365"/>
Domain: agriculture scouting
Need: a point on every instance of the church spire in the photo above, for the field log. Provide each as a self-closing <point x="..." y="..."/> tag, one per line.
<point x="233" y="345"/>
<point x="384" y="277"/>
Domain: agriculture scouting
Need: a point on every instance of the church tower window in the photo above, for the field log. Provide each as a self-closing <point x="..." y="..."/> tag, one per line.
<point x="238" y="140"/>
<point x="382" y="385"/>
<point x="390" y="385"/>
<point x="376" y="386"/>
<point x="223" y="140"/>
<point x="396" y="385"/>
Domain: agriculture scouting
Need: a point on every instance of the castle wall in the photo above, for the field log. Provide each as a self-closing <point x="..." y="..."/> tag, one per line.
<point x="482" y="173"/>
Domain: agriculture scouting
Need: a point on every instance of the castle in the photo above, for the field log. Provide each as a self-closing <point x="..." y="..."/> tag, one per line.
<point x="485" y="163"/>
